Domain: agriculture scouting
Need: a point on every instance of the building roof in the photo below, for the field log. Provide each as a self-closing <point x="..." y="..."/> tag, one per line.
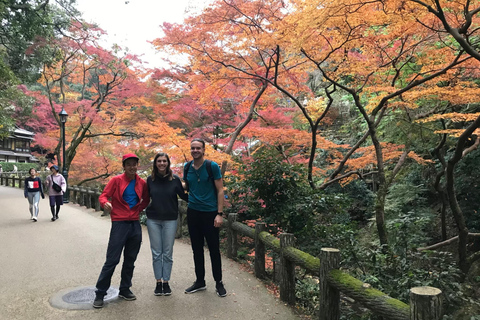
<point x="18" y="154"/>
<point x="22" y="134"/>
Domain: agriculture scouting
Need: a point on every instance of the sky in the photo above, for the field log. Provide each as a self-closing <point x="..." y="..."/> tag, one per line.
<point x="131" y="23"/>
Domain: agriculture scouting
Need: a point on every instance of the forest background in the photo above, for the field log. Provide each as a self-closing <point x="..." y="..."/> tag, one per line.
<point x="352" y="124"/>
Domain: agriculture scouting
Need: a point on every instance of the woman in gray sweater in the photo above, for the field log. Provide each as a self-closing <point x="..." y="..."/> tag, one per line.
<point x="162" y="214"/>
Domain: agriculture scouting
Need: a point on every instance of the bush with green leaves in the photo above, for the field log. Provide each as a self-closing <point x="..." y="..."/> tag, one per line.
<point x="273" y="190"/>
<point x="410" y="218"/>
<point x="21" y="166"/>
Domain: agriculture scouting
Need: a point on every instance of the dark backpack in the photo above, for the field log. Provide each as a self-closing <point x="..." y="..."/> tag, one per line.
<point x="208" y="163"/>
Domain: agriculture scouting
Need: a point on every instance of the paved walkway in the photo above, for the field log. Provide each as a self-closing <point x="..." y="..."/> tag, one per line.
<point x="39" y="260"/>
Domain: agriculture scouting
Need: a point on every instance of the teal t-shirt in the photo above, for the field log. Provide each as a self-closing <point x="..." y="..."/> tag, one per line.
<point x="202" y="195"/>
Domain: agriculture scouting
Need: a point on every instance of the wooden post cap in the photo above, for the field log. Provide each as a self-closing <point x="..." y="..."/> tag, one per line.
<point x="330" y="250"/>
<point x="426" y="291"/>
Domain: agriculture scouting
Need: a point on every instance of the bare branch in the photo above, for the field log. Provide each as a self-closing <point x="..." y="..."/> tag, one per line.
<point x="105" y="175"/>
<point x="471" y="148"/>
<point x="446" y="242"/>
<point x="123" y="134"/>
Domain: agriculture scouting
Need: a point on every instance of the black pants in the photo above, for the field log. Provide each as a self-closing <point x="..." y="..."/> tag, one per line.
<point x="200" y="227"/>
<point x="125" y="236"/>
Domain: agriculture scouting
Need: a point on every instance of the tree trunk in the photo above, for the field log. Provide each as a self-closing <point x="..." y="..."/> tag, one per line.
<point x="452" y="199"/>
<point x="380" y="215"/>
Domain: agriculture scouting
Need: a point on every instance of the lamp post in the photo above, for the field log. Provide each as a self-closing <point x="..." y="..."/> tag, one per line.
<point x="63" y="118"/>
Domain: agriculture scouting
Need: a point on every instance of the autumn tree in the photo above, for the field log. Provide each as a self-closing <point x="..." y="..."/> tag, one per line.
<point x="376" y="53"/>
<point x="23" y="23"/>
<point x="226" y="50"/>
<point x="100" y="91"/>
<point x="460" y="21"/>
<point x="463" y="129"/>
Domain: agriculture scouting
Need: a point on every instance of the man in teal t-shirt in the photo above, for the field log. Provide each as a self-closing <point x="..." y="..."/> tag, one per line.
<point x="205" y="216"/>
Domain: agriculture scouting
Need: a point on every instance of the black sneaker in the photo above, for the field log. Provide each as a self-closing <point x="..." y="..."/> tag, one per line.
<point x="98" y="302"/>
<point x="197" y="286"/>
<point x="220" y="289"/>
<point x="158" y="289"/>
<point x="127" y="295"/>
<point x="166" y="289"/>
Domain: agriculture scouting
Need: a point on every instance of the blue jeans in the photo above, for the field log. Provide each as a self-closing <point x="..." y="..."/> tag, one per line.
<point x="162" y="238"/>
<point x="125" y="236"/>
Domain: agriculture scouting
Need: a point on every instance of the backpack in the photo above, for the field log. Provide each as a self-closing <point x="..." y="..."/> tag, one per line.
<point x="208" y="163"/>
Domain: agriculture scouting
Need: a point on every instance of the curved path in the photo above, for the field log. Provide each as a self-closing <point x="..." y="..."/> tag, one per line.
<point x="40" y="260"/>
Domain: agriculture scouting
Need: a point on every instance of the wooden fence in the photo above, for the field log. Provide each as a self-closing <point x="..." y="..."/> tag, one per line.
<point x="11" y="179"/>
<point x="425" y="302"/>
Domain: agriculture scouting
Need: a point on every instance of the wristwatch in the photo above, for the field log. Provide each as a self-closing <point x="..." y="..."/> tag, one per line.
<point x="220" y="214"/>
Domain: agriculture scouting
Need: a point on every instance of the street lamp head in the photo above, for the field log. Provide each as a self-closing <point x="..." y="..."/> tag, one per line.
<point x="63" y="115"/>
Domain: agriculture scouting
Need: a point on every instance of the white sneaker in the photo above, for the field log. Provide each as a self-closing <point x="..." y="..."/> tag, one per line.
<point x="34" y="219"/>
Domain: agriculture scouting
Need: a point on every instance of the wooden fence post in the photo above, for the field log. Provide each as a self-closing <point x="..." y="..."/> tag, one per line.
<point x="287" y="282"/>
<point x="81" y="198"/>
<point x="259" y="250"/>
<point x="74" y="191"/>
<point x="97" y="201"/>
<point x="425" y="303"/>
<point x="329" y="303"/>
<point x="231" y="237"/>
<point x="91" y="196"/>
<point x="88" y="195"/>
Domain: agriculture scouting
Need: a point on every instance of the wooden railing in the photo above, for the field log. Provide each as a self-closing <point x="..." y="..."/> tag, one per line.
<point x="13" y="179"/>
<point x="86" y="197"/>
<point x="425" y="302"/>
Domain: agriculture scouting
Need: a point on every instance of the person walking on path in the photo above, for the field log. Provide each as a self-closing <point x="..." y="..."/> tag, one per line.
<point x="56" y="186"/>
<point x="125" y="196"/>
<point x="162" y="215"/>
<point x="32" y="191"/>
<point x="204" y="215"/>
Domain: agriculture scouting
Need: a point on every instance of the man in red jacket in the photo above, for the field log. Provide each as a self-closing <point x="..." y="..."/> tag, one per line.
<point x="125" y="196"/>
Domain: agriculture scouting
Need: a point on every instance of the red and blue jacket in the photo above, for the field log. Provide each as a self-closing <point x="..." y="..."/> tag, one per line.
<point x="114" y="190"/>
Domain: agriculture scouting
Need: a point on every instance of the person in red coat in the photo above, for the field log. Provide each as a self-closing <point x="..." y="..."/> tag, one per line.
<point x="125" y="196"/>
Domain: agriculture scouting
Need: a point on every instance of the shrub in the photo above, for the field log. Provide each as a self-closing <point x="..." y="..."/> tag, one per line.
<point x="21" y="166"/>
